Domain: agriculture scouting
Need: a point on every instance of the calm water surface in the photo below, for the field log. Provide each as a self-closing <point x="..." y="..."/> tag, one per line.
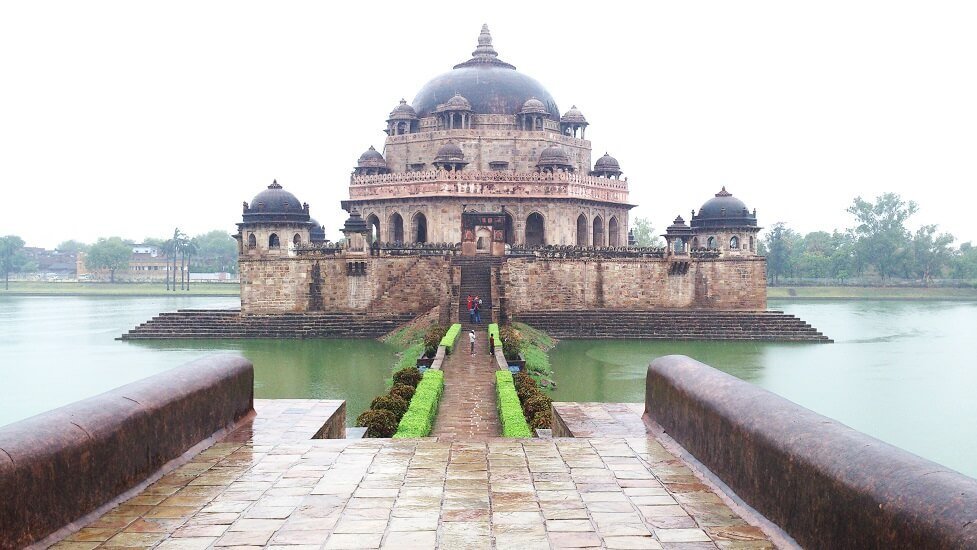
<point x="904" y="372"/>
<point x="57" y="350"/>
<point x="901" y="371"/>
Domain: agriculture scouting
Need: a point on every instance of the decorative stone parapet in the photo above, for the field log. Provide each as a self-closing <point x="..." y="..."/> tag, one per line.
<point x="825" y="484"/>
<point x="501" y="183"/>
<point x="58" y="466"/>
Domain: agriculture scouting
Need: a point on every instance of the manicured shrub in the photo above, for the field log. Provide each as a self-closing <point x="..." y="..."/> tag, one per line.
<point x="510" y="412"/>
<point x="402" y="391"/>
<point x="542" y="420"/>
<point x="432" y="339"/>
<point x="378" y="423"/>
<point x="448" y="341"/>
<point x="409" y="376"/>
<point x="535" y="405"/>
<point x="392" y="403"/>
<point x="511" y="341"/>
<point x="423" y="409"/>
<point x="526" y="387"/>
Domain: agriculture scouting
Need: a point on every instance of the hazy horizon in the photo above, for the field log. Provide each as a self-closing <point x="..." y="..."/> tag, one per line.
<point x="127" y="119"/>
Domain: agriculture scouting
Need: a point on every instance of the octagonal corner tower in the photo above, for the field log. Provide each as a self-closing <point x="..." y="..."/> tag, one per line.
<point x="483" y="157"/>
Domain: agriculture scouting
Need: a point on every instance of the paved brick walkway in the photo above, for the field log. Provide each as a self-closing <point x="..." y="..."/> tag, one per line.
<point x="258" y="489"/>
<point x="468" y="410"/>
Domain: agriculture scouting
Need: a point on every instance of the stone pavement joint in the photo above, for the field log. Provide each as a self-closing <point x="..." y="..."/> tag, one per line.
<point x="254" y="489"/>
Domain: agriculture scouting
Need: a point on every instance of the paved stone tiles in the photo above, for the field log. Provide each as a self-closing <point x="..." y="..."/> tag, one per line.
<point x="599" y="419"/>
<point x="468" y="408"/>
<point x="258" y="489"/>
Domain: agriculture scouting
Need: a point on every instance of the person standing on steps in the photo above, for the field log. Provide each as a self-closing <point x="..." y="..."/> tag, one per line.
<point x="476" y="305"/>
<point x="471" y="338"/>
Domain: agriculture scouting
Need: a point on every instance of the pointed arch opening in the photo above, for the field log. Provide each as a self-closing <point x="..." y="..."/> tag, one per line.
<point x="297" y="239"/>
<point x="581" y="230"/>
<point x="711" y="243"/>
<point x="419" y="228"/>
<point x="734" y="243"/>
<point x="598" y="231"/>
<point x="396" y="228"/>
<point x="510" y="230"/>
<point x="535" y="230"/>
<point x="613" y="232"/>
<point x="252" y="241"/>
<point x="374" y="222"/>
<point x="273" y="241"/>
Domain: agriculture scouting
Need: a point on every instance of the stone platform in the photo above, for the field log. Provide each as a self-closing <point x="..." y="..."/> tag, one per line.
<point x="269" y="484"/>
<point x="230" y="323"/>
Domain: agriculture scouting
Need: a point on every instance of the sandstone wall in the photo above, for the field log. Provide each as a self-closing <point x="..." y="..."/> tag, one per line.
<point x="638" y="284"/>
<point x="407" y="284"/>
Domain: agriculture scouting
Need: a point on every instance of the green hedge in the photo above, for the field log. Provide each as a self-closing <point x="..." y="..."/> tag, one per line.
<point x="423" y="409"/>
<point x="493" y="332"/>
<point x="510" y="410"/>
<point x="449" y="338"/>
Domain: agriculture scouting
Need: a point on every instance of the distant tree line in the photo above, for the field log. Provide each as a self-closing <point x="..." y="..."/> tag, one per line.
<point x="215" y="251"/>
<point x="879" y="245"/>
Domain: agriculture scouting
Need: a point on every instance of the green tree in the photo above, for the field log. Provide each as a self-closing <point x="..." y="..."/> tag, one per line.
<point x="72" y="247"/>
<point x="644" y="233"/>
<point x="779" y="244"/>
<point x="931" y="253"/>
<point x="964" y="262"/>
<point x="882" y="238"/>
<point x="842" y="255"/>
<point x="112" y="254"/>
<point x="217" y="251"/>
<point x="12" y="258"/>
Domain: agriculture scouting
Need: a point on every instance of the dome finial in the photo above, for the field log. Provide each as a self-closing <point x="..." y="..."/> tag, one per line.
<point x="274" y="185"/>
<point x="485" y="48"/>
<point x="724" y="193"/>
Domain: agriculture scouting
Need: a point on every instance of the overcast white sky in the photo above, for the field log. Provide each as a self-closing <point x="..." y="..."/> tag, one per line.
<point x="130" y="118"/>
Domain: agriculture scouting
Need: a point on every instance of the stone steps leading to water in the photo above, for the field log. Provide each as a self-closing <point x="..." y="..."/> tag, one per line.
<point x="673" y="325"/>
<point x="211" y="324"/>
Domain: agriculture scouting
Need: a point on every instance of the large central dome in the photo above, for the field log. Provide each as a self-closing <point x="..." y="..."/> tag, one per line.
<point x="491" y="85"/>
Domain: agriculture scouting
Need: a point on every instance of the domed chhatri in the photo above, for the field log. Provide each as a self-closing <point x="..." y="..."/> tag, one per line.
<point x="403" y="111"/>
<point x="275" y="203"/>
<point x="533" y="106"/>
<point x="723" y="211"/>
<point x="491" y="85"/>
<point x="371" y="159"/>
<point x="573" y="116"/>
<point x="317" y="233"/>
<point x="607" y="167"/>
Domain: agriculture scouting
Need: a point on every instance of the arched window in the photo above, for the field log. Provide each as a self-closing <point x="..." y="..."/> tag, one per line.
<point x="581" y="230"/>
<point x="297" y="239"/>
<point x="252" y="241"/>
<point x="695" y="243"/>
<point x="711" y="243"/>
<point x="752" y="249"/>
<point x="273" y="241"/>
<point x="613" y="233"/>
<point x="420" y="228"/>
<point x="535" y="230"/>
<point x="734" y="243"/>
<point x="374" y="222"/>
<point x="598" y="231"/>
<point x="396" y="228"/>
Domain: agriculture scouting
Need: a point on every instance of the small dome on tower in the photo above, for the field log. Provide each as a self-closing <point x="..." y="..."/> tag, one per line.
<point x="607" y="163"/>
<point x="276" y="204"/>
<point x="371" y="159"/>
<point x="457" y="103"/>
<point x="554" y="154"/>
<point x="355" y="223"/>
<point x="573" y="116"/>
<point x="533" y="106"/>
<point x="450" y="152"/>
<point x="723" y="210"/>
<point x="403" y="112"/>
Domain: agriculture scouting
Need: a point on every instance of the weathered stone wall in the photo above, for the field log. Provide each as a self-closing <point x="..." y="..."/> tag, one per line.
<point x="636" y="284"/>
<point x="389" y="284"/>
<point x="58" y="466"/>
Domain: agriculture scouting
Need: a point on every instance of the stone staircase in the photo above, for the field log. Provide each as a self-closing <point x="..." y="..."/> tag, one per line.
<point x="229" y="323"/>
<point x="673" y="325"/>
<point x="476" y="273"/>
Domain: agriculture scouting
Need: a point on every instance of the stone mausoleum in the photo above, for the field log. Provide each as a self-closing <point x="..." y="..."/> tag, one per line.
<point x="483" y="172"/>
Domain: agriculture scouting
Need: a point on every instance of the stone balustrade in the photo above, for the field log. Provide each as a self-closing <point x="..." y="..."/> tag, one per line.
<point x="502" y="183"/>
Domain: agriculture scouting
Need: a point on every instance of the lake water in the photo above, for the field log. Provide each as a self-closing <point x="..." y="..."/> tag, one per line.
<point x="900" y="371"/>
